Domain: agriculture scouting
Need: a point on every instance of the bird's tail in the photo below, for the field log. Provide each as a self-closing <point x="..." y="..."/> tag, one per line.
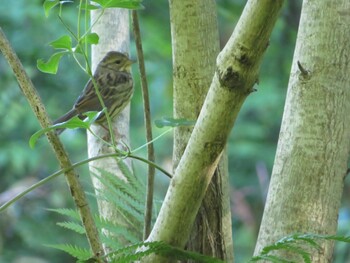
<point x="70" y="114"/>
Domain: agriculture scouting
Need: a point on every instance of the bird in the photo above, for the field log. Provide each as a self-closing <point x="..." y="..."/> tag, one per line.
<point x="115" y="83"/>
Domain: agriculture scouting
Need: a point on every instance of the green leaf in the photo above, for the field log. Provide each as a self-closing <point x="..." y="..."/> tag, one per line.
<point x="128" y="254"/>
<point x="73" y="123"/>
<point x="64" y="42"/>
<point x="78" y="49"/>
<point x="48" y="5"/>
<point x="171" y="122"/>
<point x="75" y="251"/>
<point x="129" y="4"/>
<point x="72" y="226"/>
<point x="90" y="7"/>
<point x="51" y="66"/>
<point x="35" y="137"/>
<point x="67" y="212"/>
<point x="91" y="38"/>
<point x="273" y="259"/>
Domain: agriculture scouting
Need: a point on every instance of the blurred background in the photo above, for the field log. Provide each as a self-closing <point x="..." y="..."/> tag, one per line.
<point x="28" y="225"/>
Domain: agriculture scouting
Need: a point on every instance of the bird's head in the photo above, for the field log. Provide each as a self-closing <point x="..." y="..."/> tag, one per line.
<point x="117" y="61"/>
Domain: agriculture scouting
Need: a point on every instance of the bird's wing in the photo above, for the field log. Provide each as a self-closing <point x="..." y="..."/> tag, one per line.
<point x="88" y="100"/>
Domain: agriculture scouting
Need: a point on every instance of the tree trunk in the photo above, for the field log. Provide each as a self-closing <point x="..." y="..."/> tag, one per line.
<point x="236" y="73"/>
<point x="113" y="30"/>
<point x="314" y="144"/>
<point x="195" y="43"/>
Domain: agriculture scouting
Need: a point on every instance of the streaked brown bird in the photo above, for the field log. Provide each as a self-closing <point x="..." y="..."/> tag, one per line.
<point x="115" y="83"/>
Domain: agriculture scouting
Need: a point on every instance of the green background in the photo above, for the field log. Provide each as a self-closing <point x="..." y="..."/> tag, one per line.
<point x="28" y="225"/>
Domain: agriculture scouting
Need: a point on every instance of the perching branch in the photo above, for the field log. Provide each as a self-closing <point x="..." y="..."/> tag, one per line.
<point x="37" y="106"/>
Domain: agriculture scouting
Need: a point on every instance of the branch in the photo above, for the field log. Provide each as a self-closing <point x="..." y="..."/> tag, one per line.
<point x="237" y="70"/>
<point x="147" y="118"/>
<point x="37" y="106"/>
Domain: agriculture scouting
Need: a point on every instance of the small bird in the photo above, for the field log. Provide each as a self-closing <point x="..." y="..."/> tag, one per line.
<point x="115" y="83"/>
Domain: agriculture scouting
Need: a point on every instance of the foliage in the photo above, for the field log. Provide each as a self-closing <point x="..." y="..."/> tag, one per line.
<point x="251" y="147"/>
<point x="128" y="198"/>
<point x="299" y="244"/>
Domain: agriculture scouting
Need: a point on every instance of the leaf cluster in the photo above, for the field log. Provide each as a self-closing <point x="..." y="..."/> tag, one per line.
<point x="127" y="196"/>
<point x="298" y="244"/>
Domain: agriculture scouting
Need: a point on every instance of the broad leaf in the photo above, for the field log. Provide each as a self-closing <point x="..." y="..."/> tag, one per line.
<point x="64" y="42"/>
<point x="90" y="7"/>
<point x="51" y="66"/>
<point x="91" y="38"/>
<point x="73" y="123"/>
<point x="48" y="5"/>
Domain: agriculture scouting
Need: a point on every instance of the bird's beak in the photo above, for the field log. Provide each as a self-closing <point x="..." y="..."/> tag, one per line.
<point x="131" y="61"/>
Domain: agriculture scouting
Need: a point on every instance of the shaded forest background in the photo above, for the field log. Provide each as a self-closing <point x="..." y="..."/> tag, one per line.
<point x="27" y="225"/>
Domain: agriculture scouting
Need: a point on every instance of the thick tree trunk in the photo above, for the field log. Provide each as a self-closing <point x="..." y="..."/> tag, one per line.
<point x="195" y="42"/>
<point x="236" y="73"/>
<point x="314" y="144"/>
<point x="113" y="30"/>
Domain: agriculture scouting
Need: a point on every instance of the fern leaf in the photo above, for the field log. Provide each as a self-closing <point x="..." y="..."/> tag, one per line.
<point x="128" y="254"/>
<point x="114" y="195"/>
<point x="345" y="239"/>
<point x="273" y="259"/>
<point x="67" y="212"/>
<point x="109" y="179"/>
<point x="75" y="251"/>
<point x="131" y="178"/>
<point x="103" y="223"/>
<point x="73" y="226"/>
<point x="121" y="204"/>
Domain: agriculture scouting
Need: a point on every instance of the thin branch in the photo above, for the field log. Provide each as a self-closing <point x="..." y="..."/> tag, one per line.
<point x="37" y="106"/>
<point x="75" y="165"/>
<point x="147" y="117"/>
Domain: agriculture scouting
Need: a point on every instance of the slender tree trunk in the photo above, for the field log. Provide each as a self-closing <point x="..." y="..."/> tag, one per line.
<point x="195" y="42"/>
<point x="113" y="30"/>
<point x="236" y="73"/>
<point x="314" y="144"/>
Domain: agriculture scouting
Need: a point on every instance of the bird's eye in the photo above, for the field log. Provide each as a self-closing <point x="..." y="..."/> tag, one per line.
<point x="118" y="62"/>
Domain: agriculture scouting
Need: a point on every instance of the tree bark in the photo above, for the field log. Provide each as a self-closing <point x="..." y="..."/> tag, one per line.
<point x="236" y="73"/>
<point x="195" y="43"/>
<point x="314" y="143"/>
<point x="113" y="30"/>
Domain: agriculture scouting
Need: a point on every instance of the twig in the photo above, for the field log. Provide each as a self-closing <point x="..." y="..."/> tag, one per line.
<point x="37" y="106"/>
<point x="303" y="71"/>
<point x="75" y="165"/>
<point x="147" y="117"/>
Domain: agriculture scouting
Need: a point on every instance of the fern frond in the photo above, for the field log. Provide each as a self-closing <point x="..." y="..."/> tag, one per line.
<point x="131" y="178"/>
<point x="111" y="243"/>
<point x="75" y="251"/>
<point x="76" y="227"/>
<point x="103" y="223"/>
<point x="273" y="259"/>
<point x="299" y="244"/>
<point x="130" y="253"/>
<point x="345" y="239"/>
<point x="66" y="212"/>
<point x="122" y="205"/>
<point x="115" y="196"/>
<point x="108" y="179"/>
